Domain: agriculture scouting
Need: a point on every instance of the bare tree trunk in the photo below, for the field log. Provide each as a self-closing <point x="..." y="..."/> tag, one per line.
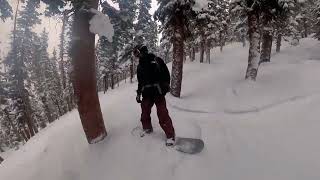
<point x="266" y="38"/>
<point x="1" y="159"/>
<point x="178" y="53"/>
<point x="279" y="38"/>
<point x="221" y="40"/>
<point x="208" y="48"/>
<point x="193" y="54"/>
<point x="105" y="79"/>
<point x="305" y="26"/>
<point x="83" y="58"/>
<point x="118" y="79"/>
<point x="254" y="50"/>
<point x="131" y="70"/>
<point x="112" y="81"/>
<point x="202" y="47"/>
<point x="243" y="39"/>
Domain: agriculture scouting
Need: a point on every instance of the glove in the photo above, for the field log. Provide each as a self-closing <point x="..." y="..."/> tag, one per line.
<point x="138" y="98"/>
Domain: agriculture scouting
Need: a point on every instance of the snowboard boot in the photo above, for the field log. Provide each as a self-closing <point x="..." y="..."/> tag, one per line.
<point x="146" y="131"/>
<point x="170" y="142"/>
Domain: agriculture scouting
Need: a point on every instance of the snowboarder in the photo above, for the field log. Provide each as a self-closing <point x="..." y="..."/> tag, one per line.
<point x="153" y="84"/>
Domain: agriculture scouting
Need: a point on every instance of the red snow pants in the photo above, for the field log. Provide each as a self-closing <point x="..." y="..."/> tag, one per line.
<point x="162" y="112"/>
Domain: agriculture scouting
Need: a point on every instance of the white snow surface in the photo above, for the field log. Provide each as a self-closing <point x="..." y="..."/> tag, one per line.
<point x="266" y="130"/>
<point x="200" y="5"/>
<point x="100" y="24"/>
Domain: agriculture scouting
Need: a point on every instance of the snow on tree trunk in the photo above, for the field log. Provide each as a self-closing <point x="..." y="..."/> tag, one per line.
<point x="178" y="53"/>
<point x="266" y="39"/>
<point x="83" y="58"/>
<point x="279" y="38"/>
<point x="254" y="49"/>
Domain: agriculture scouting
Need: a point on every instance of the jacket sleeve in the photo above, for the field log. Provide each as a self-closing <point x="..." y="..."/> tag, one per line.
<point x="139" y="77"/>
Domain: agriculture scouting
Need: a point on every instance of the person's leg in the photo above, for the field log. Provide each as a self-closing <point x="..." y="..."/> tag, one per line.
<point x="146" y="106"/>
<point x="164" y="118"/>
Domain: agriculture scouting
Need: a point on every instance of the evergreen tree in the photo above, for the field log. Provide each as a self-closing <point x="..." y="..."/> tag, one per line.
<point x="175" y="16"/>
<point x="5" y="10"/>
<point x="146" y="28"/>
<point x="84" y="68"/>
<point x="17" y="61"/>
<point x="259" y="12"/>
<point x="317" y="14"/>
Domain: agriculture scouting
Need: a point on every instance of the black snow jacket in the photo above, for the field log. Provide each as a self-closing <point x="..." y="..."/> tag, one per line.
<point x="153" y="76"/>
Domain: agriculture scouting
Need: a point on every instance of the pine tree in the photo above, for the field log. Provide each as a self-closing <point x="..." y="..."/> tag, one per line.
<point x="47" y="81"/>
<point x="258" y="11"/>
<point x="18" y="59"/>
<point x="251" y="9"/>
<point x="306" y="17"/>
<point x="5" y="10"/>
<point x="146" y="28"/>
<point x="84" y="72"/>
<point x="317" y="14"/>
<point x="175" y="16"/>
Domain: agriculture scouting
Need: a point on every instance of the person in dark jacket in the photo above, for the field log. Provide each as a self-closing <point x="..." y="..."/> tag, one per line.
<point x="153" y="84"/>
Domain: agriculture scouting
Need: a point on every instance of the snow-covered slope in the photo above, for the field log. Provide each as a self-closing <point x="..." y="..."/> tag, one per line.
<point x="262" y="130"/>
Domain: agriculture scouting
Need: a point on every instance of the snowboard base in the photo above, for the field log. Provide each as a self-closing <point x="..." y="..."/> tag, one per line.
<point x="189" y="145"/>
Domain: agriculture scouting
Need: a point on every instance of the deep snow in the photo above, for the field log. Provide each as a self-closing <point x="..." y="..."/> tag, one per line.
<point x="252" y="130"/>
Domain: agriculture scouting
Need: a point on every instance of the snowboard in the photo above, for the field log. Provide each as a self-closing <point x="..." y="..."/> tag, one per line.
<point x="189" y="145"/>
<point x="182" y="144"/>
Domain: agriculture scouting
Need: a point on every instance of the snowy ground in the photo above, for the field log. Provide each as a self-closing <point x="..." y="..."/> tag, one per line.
<point x="265" y="130"/>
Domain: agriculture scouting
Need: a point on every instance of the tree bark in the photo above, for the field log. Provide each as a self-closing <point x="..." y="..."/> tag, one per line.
<point x="83" y="58"/>
<point x="243" y="40"/>
<point x="208" y="48"/>
<point x="221" y="39"/>
<point x="131" y="70"/>
<point x="193" y="54"/>
<point x="254" y="49"/>
<point x="202" y="47"/>
<point x="305" y="26"/>
<point x="279" y="38"/>
<point x="1" y="159"/>
<point x="178" y="53"/>
<point x="266" y="39"/>
<point x="105" y="80"/>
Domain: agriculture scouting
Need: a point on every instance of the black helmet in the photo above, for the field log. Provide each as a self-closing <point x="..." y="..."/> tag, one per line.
<point x="140" y="50"/>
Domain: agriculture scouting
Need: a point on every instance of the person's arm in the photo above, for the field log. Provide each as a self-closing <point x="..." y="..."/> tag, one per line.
<point x="139" y="77"/>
